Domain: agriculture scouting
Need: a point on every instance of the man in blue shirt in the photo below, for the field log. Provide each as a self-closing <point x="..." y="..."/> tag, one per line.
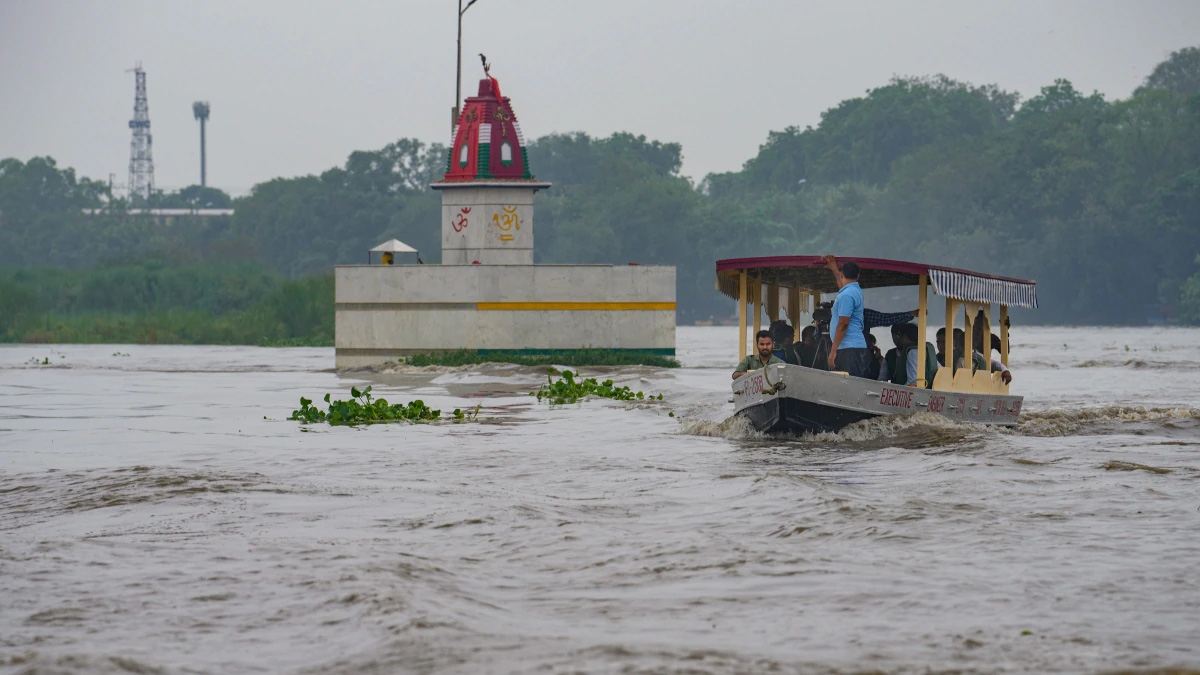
<point x="849" y="351"/>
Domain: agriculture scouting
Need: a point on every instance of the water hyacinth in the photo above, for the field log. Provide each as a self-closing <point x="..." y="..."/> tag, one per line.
<point x="362" y="408"/>
<point x="567" y="389"/>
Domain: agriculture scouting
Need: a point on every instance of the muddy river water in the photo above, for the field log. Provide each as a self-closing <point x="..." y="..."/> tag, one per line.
<point x="158" y="513"/>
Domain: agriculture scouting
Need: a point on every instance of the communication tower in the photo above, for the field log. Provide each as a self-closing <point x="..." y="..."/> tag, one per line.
<point x="141" y="159"/>
<point x="200" y="111"/>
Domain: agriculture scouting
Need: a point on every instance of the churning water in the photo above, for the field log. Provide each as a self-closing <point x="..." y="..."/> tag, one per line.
<point x="159" y="514"/>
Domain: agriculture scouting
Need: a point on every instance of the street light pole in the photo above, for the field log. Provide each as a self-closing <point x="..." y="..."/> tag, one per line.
<point x="458" y="81"/>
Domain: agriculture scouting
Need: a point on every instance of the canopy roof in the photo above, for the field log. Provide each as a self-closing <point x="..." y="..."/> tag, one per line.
<point x="393" y="246"/>
<point x="808" y="273"/>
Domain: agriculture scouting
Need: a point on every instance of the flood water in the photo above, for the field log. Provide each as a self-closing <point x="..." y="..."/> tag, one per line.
<point x="158" y="513"/>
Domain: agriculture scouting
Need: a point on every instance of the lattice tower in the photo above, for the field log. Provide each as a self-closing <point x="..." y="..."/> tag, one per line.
<point x="141" y="159"/>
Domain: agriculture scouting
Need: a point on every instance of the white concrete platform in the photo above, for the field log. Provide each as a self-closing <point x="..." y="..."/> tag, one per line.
<point x="384" y="312"/>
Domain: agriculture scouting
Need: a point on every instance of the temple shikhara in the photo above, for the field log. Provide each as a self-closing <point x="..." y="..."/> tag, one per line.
<point x="487" y="140"/>
<point x="487" y="295"/>
<point x="487" y="194"/>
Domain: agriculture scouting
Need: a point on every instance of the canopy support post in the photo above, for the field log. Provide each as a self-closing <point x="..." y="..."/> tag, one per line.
<point x="985" y="334"/>
<point x="968" y="336"/>
<point x="922" y="316"/>
<point x="949" y="341"/>
<point x="772" y="303"/>
<point x="757" y="292"/>
<point x="1004" y="335"/>
<point x="742" y="299"/>
<point x="794" y="312"/>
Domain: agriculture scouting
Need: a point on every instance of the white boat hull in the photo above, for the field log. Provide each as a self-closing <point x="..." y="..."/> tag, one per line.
<point x="789" y="398"/>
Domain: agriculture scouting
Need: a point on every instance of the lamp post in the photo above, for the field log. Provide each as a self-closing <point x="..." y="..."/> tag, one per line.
<point x="458" y="82"/>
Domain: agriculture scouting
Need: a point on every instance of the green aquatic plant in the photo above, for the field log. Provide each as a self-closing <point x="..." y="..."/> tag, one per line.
<point x="362" y="408"/>
<point x="567" y="389"/>
<point x="460" y="416"/>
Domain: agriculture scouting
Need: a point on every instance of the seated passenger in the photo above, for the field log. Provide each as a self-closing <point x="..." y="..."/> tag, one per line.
<point x="993" y="344"/>
<point x="876" y="357"/>
<point x="763" y="357"/>
<point x="890" y="356"/>
<point x="900" y="366"/>
<point x="960" y="340"/>
<point x="781" y="335"/>
<point x="960" y="344"/>
<point x="806" y="352"/>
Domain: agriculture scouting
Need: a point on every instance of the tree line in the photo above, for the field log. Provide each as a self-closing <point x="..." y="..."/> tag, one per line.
<point x="1097" y="200"/>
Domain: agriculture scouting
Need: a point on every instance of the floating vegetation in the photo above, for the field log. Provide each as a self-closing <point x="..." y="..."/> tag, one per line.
<point x="362" y="408"/>
<point x="567" y="357"/>
<point x="567" y="389"/>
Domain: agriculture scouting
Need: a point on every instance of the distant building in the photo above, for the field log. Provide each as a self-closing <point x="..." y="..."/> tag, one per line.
<point x="165" y="216"/>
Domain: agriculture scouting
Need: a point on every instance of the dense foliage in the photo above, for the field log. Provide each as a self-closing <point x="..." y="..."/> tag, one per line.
<point x="1098" y="200"/>
<point x="154" y="302"/>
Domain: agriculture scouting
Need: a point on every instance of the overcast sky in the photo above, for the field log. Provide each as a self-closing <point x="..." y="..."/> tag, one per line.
<point x="295" y="86"/>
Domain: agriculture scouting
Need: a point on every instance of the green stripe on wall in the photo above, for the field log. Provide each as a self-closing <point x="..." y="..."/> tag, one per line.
<point x="664" y="351"/>
<point x="368" y="351"/>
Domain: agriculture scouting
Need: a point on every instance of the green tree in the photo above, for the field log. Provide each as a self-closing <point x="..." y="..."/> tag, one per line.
<point x="1178" y="74"/>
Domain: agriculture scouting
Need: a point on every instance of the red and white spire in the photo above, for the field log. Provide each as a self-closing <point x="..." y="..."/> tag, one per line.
<point x="488" y="143"/>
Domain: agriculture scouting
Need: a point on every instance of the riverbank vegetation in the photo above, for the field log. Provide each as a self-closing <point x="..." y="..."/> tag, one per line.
<point x="1098" y="199"/>
<point x="154" y="302"/>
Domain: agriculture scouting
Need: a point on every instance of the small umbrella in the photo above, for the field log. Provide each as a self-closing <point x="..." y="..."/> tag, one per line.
<point x="391" y="246"/>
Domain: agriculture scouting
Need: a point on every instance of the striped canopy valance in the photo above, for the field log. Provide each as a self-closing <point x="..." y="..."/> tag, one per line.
<point x="973" y="288"/>
<point x="809" y="274"/>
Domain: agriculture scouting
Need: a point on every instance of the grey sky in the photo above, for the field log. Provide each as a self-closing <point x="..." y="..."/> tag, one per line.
<point x="296" y="86"/>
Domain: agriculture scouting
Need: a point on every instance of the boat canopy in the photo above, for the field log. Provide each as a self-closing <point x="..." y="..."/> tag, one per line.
<point x="808" y="273"/>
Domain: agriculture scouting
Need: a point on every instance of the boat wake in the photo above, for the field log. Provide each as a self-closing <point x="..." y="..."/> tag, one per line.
<point x="1146" y="364"/>
<point x="733" y="428"/>
<point x="923" y="430"/>
<point x="918" y="430"/>
<point x="1101" y="420"/>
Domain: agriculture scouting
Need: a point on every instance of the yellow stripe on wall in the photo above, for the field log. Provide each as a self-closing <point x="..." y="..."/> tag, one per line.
<point x="575" y="306"/>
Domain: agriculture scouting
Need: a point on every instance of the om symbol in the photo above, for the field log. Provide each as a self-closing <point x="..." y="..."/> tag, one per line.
<point x="461" y="221"/>
<point x="506" y="222"/>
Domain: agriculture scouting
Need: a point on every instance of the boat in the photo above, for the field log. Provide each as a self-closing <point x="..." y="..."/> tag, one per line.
<point x="797" y="399"/>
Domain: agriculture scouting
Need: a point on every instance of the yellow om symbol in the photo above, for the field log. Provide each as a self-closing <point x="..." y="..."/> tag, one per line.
<point x="506" y="221"/>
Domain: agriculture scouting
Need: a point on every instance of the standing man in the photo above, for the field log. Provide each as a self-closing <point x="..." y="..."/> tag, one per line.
<point x="762" y="359"/>
<point x="849" y="352"/>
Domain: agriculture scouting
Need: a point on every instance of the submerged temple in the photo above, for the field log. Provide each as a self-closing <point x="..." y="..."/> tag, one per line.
<point x="487" y="295"/>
